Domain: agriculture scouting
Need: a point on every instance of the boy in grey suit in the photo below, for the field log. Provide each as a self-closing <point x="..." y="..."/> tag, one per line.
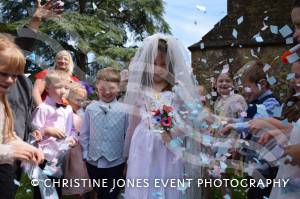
<point x="102" y="134"/>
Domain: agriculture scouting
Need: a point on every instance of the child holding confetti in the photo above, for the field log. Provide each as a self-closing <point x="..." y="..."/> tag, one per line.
<point x="11" y="146"/>
<point x="54" y="119"/>
<point x="152" y="143"/>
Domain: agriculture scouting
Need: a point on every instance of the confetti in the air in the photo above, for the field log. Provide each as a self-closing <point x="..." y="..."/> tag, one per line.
<point x="201" y="8"/>
<point x="285" y="31"/>
<point x="240" y="20"/>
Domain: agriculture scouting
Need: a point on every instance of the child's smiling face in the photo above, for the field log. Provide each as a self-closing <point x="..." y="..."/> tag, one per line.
<point x="107" y="90"/>
<point x="224" y="84"/>
<point x="251" y="91"/>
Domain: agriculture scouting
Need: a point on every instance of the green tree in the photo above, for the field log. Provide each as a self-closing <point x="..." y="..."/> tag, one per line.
<point x="99" y="26"/>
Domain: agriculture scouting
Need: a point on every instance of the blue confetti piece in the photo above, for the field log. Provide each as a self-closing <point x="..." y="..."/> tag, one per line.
<point x="261" y="109"/>
<point x="259" y="39"/>
<point x="215" y="126"/>
<point x="271" y="80"/>
<point x="293" y="58"/>
<point x="289" y="40"/>
<point x="285" y="122"/>
<point x="227" y="196"/>
<point x="175" y="142"/>
<point x="285" y="31"/>
<point x="157" y="195"/>
<point x="277" y="111"/>
<point x="274" y="29"/>
<point x="290" y="76"/>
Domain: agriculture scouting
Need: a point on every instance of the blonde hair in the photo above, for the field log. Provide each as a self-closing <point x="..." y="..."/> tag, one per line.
<point x="108" y="74"/>
<point x="68" y="55"/>
<point x="75" y="89"/>
<point x="12" y="61"/>
<point x="56" y="76"/>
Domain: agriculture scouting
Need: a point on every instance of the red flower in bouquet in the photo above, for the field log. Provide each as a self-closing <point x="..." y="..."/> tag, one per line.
<point x="166" y="122"/>
<point x="156" y="112"/>
<point x="167" y="109"/>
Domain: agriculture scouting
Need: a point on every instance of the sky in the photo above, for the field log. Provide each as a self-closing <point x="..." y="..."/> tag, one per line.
<point x="188" y="23"/>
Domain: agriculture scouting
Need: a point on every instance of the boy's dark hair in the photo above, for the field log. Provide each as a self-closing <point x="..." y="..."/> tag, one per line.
<point x="296" y="4"/>
<point x="253" y="72"/>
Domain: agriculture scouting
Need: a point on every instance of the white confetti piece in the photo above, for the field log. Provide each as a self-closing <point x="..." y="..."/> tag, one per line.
<point x="204" y="60"/>
<point x="247" y="89"/>
<point x="214" y="94"/>
<point x="234" y="33"/>
<point x="225" y="69"/>
<point x="121" y="9"/>
<point x="202" y="45"/>
<point x="230" y="60"/>
<point x="201" y="8"/>
<point x="259" y="39"/>
<point x="266" y="67"/>
<point x="243" y="114"/>
<point x="274" y="29"/>
<point x="265" y="27"/>
<point x="266" y="18"/>
<point x="285" y="31"/>
<point x="253" y="54"/>
<point x="94" y="6"/>
<point x="17" y="182"/>
<point x="240" y="20"/>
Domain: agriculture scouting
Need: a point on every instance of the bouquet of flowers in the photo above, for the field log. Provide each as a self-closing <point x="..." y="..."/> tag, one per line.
<point x="163" y="118"/>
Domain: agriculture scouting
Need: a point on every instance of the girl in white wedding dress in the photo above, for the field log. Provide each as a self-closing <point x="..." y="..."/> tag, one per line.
<point x="160" y="80"/>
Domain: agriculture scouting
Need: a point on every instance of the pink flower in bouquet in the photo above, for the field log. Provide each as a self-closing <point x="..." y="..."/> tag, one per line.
<point x="167" y="109"/>
<point x="166" y="121"/>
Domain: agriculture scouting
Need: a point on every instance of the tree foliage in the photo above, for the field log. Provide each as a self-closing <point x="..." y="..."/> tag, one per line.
<point x="100" y="26"/>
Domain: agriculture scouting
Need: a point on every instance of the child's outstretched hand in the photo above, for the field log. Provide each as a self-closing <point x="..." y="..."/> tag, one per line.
<point x="24" y="151"/>
<point x="54" y="132"/>
<point x="37" y="135"/>
<point x="226" y="130"/>
<point x="294" y="152"/>
<point x="71" y="140"/>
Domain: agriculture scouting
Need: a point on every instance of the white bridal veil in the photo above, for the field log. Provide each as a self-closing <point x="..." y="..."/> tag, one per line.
<point x="141" y="71"/>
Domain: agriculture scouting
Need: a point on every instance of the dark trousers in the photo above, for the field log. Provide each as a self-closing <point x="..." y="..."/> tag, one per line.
<point x="111" y="174"/>
<point x="7" y="186"/>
